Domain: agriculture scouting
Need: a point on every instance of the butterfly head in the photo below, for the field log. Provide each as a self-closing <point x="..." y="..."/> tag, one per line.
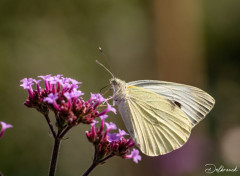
<point x="114" y="81"/>
<point x="117" y="83"/>
<point x="119" y="88"/>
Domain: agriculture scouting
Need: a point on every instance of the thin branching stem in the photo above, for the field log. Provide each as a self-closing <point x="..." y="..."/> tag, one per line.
<point x="95" y="163"/>
<point x="64" y="132"/>
<point x="50" y="125"/>
<point x="106" y="158"/>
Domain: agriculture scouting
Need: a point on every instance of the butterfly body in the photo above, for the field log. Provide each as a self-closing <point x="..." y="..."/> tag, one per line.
<point x="159" y="115"/>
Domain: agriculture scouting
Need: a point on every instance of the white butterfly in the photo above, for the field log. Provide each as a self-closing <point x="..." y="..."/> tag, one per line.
<point x="158" y="115"/>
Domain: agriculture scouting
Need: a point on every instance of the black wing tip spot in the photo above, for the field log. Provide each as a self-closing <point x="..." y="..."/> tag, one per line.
<point x="178" y="104"/>
<point x="175" y="103"/>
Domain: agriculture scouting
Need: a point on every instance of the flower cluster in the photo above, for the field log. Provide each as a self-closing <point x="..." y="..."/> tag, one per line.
<point x="4" y="127"/>
<point x="109" y="144"/>
<point x="63" y="97"/>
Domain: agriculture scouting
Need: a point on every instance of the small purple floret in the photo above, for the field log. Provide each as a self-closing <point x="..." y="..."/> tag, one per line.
<point x="74" y="94"/>
<point x="111" y="126"/>
<point x="113" y="137"/>
<point x="94" y="123"/>
<point x="45" y="77"/>
<point x="103" y="117"/>
<point x="4" y="127"/>
<point x="121" y="133"/>
<point x="51" y="98"/>
<point x="75" y="82"/>
<point x="110" y="108"/>
<point x="27" y="83"/>
<point x="134" y="155"/>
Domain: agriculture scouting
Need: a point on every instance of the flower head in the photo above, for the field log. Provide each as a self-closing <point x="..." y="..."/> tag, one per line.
<point x="4" y="127"/>
<point x="111" y="144"/>
<point x="63" y="97"/>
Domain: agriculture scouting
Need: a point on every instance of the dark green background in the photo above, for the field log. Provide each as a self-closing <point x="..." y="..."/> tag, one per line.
<point x="62" y="37"/>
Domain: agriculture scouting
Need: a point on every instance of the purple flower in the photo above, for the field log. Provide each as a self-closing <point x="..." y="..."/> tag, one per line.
<point x="4" y="127"/>
<point x="69" y="83"/>
<point x="97" y="97"/>
<point x="51" y="98"/>
<point x="75" y="82"/>
<point x="65" y="82"/>
<point x="100" y="98"/>
<point x="37" y="81"/>
<point x="45" y="78"/>
<point x="111" y="144"/>
<point x="121" y="133"/>
<point x="134" y="155"/>
<point x="113" y="137"/>
<point x="53" y="79"/>
<point x="109" y="108"/>
<point x="74" y="94"/>
<point x="27" y="83"/>
<point x="59" y="76"/>
<point x="103" y="117"/>
<point x="94" y="123"/>
<point x="68" y="95"/>
<point x="110" y="126"/>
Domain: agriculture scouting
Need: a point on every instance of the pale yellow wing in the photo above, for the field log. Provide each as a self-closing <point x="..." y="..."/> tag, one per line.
<point x="194" y="102"/>
<point x="156" y="124"/>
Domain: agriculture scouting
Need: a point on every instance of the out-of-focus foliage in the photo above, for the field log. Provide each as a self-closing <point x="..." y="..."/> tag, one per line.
<point x="62" y="37"/>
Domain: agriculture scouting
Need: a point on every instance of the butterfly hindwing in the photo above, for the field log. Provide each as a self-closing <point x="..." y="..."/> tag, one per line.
<point x="156" y="124"/>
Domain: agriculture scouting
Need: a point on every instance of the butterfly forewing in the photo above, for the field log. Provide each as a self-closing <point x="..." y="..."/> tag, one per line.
<point x="156" y="125"/>
<point x="194" y="102"/>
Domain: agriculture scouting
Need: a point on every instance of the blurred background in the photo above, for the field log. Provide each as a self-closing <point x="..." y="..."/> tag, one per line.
<point x="191" y="42"/>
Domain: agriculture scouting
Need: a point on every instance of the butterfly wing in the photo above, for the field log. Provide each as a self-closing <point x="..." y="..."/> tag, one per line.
<point x="193" y="101"/>
<point x="156" y="125"/>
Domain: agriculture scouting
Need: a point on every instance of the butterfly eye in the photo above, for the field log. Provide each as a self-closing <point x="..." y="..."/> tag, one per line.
<point x="114" y="82"/>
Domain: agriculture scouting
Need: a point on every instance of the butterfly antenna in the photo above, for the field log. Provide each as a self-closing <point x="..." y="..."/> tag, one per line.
<point x="105" y="68"/>
<point x="105" y="57"/>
